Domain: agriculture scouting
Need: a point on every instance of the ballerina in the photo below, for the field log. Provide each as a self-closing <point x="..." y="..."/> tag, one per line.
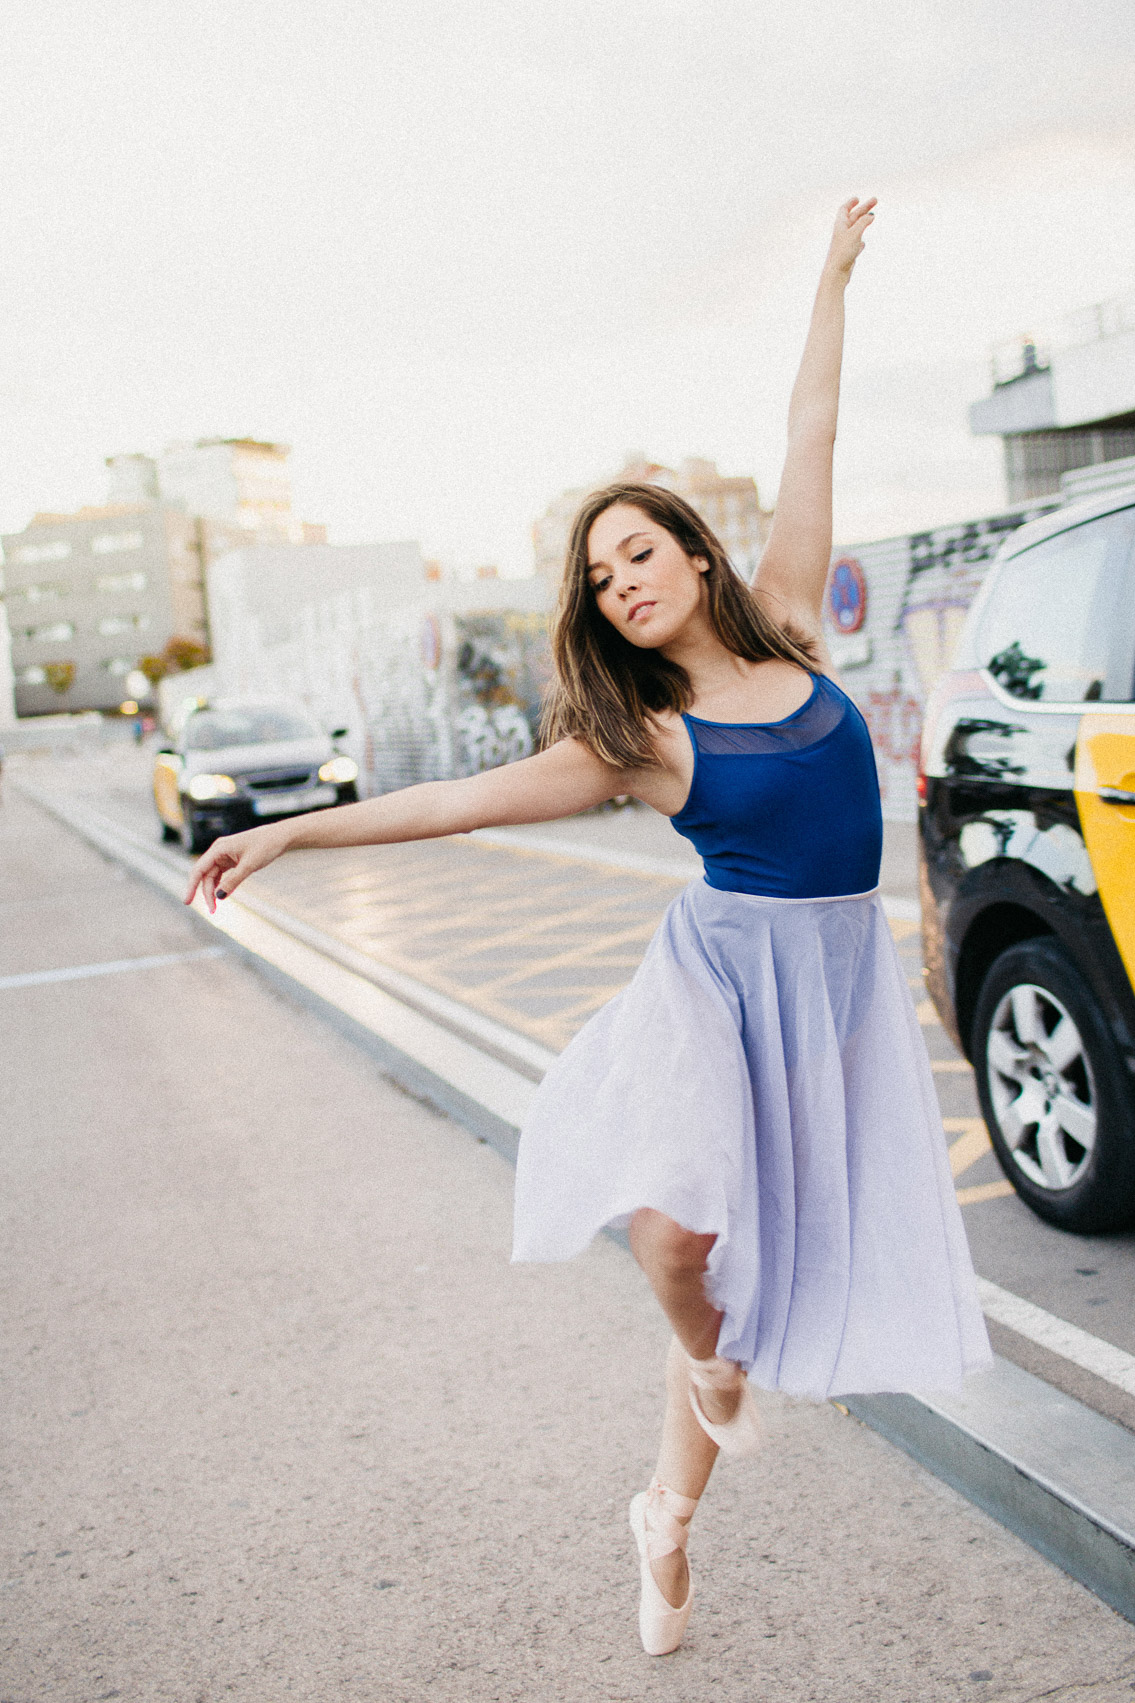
<point x="756" y="1106"/>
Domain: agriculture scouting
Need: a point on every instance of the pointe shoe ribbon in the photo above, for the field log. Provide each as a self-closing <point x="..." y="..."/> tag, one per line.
<point x="740" y="1435"/>
<point x="657" y="1517"/>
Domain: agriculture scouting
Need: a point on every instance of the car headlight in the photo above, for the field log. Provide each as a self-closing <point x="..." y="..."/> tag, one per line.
<point x="340" y="770"/>
<point x="202" y="787"/>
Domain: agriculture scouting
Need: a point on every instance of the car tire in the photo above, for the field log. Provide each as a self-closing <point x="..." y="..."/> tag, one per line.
<point x="1054" y="1092"/>
<point x="193" y="838"/>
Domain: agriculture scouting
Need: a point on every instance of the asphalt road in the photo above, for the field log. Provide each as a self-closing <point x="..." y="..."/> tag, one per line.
<point x="281" y="1420"/>
<point x="538" y="942"/>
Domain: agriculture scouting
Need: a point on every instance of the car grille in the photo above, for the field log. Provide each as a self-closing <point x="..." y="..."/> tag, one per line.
<point x="277" y="780"/>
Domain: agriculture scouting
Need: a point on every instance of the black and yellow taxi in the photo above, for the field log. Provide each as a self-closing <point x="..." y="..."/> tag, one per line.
<point x="1027" y="852"/>
<point x="240" y="762"/>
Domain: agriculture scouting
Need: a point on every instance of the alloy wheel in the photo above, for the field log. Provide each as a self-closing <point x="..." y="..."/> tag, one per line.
<point x="1041" y="1086"/>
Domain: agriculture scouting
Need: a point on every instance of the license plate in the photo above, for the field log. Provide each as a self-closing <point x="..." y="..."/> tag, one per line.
<point x="280" y="803"/>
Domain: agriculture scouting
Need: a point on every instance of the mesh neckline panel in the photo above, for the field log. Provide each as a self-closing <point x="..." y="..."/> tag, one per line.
<point x="806" y="726"/>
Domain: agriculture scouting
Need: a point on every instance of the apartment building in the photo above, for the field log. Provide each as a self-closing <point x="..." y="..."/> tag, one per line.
<point x="87" y="595"/>
<point x="240" y="483"/>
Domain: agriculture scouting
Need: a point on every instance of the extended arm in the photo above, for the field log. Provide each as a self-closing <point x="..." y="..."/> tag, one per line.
<point x="794" y="567"/>
<point x="558" y="782"/>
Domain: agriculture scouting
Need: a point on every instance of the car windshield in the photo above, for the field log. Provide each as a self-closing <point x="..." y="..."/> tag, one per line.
<point x="213" y="730"/>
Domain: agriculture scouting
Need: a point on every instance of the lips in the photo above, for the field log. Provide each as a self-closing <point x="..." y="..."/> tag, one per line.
<point x="645" y="605"/>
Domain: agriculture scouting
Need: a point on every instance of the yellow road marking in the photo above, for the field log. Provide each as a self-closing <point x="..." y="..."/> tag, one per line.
<point x="951" y="1066"/>
<point x="985" y="1191"/>
<point x="972" y="1145"/>
<point x="926" y="1013"/>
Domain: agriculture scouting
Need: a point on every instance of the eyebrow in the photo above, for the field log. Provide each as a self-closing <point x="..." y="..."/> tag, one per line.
<point x="623" y="542"/>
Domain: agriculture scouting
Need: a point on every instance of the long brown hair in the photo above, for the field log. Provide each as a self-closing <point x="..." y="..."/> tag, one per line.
<point x="606" y="690"/>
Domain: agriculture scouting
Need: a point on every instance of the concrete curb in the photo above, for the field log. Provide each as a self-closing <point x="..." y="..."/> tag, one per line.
<point x="1044" y="1465"/>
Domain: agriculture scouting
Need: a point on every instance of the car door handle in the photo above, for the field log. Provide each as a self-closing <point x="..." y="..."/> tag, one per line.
<point x="1115" y="795"/>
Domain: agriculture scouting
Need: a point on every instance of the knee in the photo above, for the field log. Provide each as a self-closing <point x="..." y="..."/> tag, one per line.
<point x="665" y="1249"/>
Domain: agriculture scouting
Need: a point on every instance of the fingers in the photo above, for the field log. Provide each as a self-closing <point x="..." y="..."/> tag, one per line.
<point x="855" y="210"/>
<point x="197" y="873"/>
<point x="212" y="870"/>
<point x="227" y="875"/>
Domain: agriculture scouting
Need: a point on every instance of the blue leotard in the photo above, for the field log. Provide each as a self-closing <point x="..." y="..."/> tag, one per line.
<point x="787" y="808"/>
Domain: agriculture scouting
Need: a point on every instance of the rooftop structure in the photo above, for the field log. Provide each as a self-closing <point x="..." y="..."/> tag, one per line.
<point x="1065" y="402"/>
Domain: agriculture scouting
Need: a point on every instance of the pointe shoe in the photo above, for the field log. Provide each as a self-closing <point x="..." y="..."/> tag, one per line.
<point x="740" y="1435"/>
<point x="658" y="1530"/>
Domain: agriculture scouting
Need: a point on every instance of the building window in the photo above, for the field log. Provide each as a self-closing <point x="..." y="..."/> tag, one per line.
<point x="121" y="582"/>
<point x="37" y="593"/>
<point x="53" y="633"/>
<point x="117" y="665"/>
<point x="109" y="543"/>
<point x="112" y="624"/>
<point x="32" y="677"/>
<point x="57" y="551"/>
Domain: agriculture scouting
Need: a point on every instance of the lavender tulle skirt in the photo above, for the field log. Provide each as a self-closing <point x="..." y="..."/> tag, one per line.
<point x="764" y="1079"/>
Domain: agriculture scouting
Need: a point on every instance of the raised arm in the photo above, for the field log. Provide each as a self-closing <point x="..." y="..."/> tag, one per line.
<point x="794" y="566"/>
<point x="558" y="782"/>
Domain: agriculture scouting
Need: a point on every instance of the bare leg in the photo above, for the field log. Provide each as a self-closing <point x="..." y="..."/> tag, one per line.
<point x="674" y="1261"/>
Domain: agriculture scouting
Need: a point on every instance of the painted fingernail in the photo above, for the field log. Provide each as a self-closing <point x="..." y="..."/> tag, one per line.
<point x="221" y="894"/>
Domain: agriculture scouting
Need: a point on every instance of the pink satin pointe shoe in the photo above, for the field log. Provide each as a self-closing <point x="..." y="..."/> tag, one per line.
<point x="740" y="1435"/>
<point x="657" y="1517"/>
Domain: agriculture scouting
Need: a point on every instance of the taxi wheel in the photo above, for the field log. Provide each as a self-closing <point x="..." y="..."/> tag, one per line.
<point x="1053" y="1090"/>
<point x="192" y="838"/>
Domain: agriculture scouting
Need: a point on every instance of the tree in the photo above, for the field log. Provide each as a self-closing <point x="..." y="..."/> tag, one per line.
<point x="60" y="676"/>
<point x="177" y="655"/>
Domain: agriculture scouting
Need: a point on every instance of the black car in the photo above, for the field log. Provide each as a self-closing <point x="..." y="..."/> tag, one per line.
<point x="239" y="763"/>
<point x="1027" y="847"/>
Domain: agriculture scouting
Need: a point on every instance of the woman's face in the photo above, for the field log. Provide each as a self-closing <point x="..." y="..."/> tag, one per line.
<point x="642" y="580"/>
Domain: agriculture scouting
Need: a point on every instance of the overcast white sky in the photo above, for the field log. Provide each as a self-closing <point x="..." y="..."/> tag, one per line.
<point x="464" y="255"/>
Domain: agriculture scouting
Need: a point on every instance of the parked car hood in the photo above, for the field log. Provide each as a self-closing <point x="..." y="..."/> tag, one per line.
<point x="246" y="759"/>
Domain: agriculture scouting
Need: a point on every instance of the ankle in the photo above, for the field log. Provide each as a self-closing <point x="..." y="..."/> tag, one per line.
<point x="716" y="1374"/>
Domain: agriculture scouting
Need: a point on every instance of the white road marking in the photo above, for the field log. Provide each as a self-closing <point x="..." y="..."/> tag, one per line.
<point x="112" y="967"/>
<point x="1103" y="1359"/>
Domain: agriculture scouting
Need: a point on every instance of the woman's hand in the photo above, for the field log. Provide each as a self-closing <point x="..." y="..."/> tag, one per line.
<point x="232" y="859"/>
<point x="851" y="224"/>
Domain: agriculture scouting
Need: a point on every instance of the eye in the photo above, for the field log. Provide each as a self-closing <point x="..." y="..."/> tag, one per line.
<point x="598" y="585"/>
<point x="644" y="555"/>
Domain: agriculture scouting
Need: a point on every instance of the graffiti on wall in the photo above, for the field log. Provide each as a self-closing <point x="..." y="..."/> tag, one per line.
<point x="502" y="667"/>
<point x="894" y="718"/>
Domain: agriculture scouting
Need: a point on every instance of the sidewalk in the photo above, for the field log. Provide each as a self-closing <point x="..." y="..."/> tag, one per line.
<point x="283" y="1421"/>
